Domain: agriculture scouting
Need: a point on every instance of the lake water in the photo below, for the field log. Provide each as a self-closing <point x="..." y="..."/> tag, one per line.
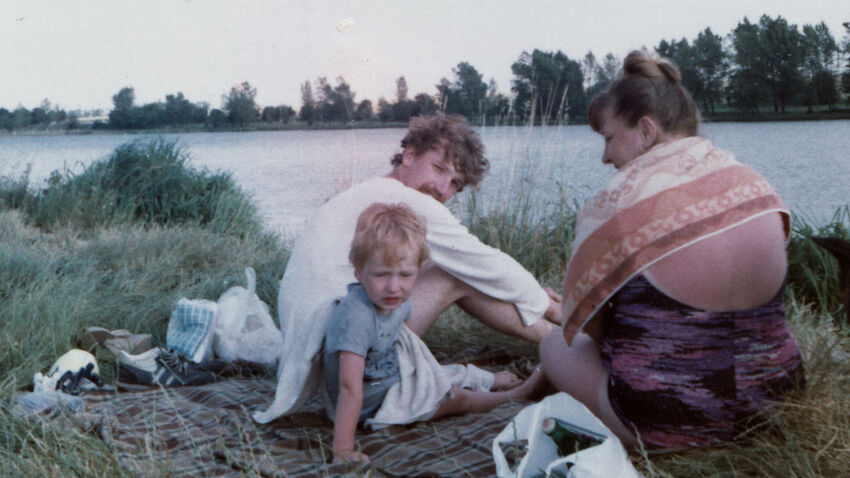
<point x="291" y="173"/>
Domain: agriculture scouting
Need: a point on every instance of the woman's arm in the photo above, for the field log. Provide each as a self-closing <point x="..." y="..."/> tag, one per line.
<point x="348" y="407"/>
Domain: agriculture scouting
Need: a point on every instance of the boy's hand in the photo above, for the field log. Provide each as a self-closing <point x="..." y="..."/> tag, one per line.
<point x="350" y="456"/>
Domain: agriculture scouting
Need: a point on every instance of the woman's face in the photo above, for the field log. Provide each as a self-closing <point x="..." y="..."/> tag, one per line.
<point x="622" y="143"/>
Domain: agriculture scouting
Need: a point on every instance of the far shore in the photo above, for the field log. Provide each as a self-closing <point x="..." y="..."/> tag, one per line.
<point x="839" y="113"/>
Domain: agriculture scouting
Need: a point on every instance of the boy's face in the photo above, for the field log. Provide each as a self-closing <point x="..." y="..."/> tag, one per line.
<point x="388" y="286"/>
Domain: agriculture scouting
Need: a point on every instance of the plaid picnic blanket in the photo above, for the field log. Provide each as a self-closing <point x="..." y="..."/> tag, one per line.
<point x="208" y="431"/>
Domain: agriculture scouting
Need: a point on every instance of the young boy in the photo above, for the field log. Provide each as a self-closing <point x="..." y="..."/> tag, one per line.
<point x="360" y="357"/>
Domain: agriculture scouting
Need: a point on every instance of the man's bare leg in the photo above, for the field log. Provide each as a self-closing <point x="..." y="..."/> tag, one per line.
<point x="435" y="290"/>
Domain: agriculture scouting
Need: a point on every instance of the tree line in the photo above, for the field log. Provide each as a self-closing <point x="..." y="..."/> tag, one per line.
<point x="765" y="66"/>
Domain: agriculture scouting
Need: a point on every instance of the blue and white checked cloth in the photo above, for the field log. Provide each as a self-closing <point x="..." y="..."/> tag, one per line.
<point x="190" y="329"/>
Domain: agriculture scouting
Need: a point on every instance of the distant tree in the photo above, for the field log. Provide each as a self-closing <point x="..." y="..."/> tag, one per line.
<point x="240" y="105"/>
<point x="334" y="103"/>
<point x="769" y="55"/>
<point x="747" y="86"/>
<point x="819" y="56"/>
<point x="711" y="65"/>
<point x="590" y="67"/>
<point x="845" y="76"/>
<point x="42" y="115"/>
<point x="121" y="115"/>
<point x="469" y="91"/>
<point x="270" y="114"/>
<point x="548" y="87"/>
<point x="200" y="110"/>
<point x="217" y="118"/>
<point x="403" y="108"/>
<point x="149" y="115"/>
<point x="602" y="74"/>
<point x="344" y="99"/>
<point x="286" y="113"/>
<point x="385" y="110"/>
<point x="21" y="118"/>
<point x="424" y="105"/>
<point x="496" y="105"/>
<point x="682" y="55"/>
<point x="444" y="94"/>
<point x="400" y="90"/>
<point x="308" y="103"/>
<point x="364" y="112"/>
<point x="611" y="66"/>
<point x="178" y="110"/>
<point x="277" y="114"/>
<point x="72" y="122"/>
<point x="6" y="119"/>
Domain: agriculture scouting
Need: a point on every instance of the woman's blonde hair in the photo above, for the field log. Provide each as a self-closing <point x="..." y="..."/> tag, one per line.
<point x="391" y="229"/>
<point x="648" y="86"/>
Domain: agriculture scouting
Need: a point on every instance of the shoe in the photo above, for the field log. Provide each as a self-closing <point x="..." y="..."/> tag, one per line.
<point x="158" y="367"/>
<point x="109" y="342"/>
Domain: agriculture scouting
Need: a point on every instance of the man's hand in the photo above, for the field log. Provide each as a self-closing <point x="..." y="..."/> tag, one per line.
<point x="350" y="456"/>
<point x="554" y="311"/>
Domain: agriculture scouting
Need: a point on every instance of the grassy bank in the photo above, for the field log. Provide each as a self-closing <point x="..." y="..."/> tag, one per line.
<point x="118" y="244"/>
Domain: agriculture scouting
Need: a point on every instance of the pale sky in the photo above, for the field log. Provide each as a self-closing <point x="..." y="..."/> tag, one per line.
<point x="79" y="53"/>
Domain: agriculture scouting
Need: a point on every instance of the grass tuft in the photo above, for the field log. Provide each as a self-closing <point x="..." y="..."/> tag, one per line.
<point x="142" y="182"/>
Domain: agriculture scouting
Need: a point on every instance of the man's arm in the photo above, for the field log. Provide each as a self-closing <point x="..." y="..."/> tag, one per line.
<point x="348" y="407"/>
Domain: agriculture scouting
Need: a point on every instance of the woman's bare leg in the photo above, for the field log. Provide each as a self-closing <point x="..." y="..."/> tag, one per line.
<point x="578" y="370"/>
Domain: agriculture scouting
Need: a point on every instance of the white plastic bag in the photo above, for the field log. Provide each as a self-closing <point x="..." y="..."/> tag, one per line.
<point x="243" y="327"/>
<point x="541" y="458"/>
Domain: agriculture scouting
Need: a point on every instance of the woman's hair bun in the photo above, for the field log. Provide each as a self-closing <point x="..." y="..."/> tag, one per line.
<point x="640" y="63"/>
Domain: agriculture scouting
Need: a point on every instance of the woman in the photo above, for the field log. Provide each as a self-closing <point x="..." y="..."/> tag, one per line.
<point x="676" y="277"/>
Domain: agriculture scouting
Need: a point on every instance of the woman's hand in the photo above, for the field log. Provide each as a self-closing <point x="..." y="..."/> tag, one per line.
<point x="350" y="456"/>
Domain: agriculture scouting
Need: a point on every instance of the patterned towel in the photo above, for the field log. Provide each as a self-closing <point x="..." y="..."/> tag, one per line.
<point x="670" y="197"/>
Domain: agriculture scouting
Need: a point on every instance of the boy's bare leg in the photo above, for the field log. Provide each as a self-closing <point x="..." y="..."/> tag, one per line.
<point x="435" y="290"/>
<point x="473" y="401"/>
<point x="505" y="380"/>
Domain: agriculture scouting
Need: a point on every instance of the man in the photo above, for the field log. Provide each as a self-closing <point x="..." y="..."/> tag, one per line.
<point x="441" y="154"/>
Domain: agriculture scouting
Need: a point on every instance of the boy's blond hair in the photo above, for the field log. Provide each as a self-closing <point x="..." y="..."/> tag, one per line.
<point x="392" y="229"/>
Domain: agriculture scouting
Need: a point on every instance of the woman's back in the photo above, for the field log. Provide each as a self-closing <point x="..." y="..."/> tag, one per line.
<point x="737" y="269"/>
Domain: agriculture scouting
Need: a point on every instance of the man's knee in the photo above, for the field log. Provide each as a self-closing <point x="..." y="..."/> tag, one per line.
<point x="436" y="280"/>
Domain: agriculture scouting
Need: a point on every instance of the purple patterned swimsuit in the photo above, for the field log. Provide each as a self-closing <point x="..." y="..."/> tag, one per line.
<point x="686" y="377"/>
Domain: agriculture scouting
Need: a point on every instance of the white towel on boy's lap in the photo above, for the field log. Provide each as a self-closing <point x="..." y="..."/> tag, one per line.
<point x="424" y="384"/>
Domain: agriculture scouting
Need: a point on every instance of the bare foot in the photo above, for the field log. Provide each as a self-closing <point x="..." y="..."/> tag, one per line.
<point x="504" y="380"/>
<point x="533" y="388"/>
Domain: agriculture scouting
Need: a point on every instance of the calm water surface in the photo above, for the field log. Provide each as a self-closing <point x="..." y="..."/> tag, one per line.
<point x="291" y="173"/>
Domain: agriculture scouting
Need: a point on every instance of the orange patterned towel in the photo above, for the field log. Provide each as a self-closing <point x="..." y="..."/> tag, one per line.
<point x="670" y="197"/>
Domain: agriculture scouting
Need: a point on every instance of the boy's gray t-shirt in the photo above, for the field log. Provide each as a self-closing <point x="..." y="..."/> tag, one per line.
<point x="355" y="326"/>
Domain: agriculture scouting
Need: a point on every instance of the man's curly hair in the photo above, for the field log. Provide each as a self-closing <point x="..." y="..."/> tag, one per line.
<point x="452" y="133"/>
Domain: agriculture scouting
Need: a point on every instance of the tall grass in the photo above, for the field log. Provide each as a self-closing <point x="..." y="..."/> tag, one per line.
<point x="143" y="182"/>
<point x="117" y="245"/>
<point x="813" y="274"/>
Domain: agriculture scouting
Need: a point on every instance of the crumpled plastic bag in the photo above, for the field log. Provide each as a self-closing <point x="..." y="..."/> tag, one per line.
<point x="539" y="454"/>
<point x="244" y="329"/>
